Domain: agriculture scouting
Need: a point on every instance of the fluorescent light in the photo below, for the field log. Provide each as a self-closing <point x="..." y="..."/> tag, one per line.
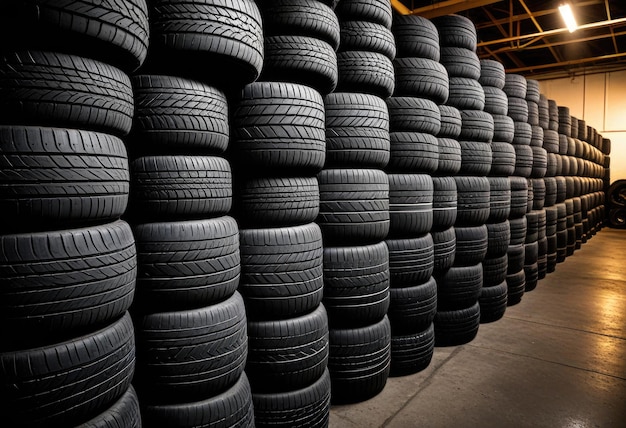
<point x="568" y="17"/>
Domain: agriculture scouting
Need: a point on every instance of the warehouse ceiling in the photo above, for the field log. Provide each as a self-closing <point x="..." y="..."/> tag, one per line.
<point x="529" y="36"/>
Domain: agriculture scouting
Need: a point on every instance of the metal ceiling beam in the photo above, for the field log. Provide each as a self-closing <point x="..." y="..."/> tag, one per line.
<point x="563" y="64"/>
<point x="399" y="7"/>
<point x="534" y="20"/>
<point x="447" y="7"/>
<point x="512" y="57"/>
<point x="538" y="13"/>
<point x="608" y="16"/>
<point x="599" y="24"/>
<point x="560" y="43"/>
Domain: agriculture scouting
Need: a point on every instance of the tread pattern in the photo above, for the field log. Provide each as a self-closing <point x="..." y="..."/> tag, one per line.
<point x="367" y="36"/>
<point x="416" y="152"/>
<point x="421" y="77"/>
<point x="410" y="204"/>
<point x="53" y="176"/>
<point x="60" y="90"/>
<point x="416" y="36"/>
<point x="414" y="114"/>
<point x="366" y="72"/>
<point x="411" y="260"/>
<point x="413" y="308"/>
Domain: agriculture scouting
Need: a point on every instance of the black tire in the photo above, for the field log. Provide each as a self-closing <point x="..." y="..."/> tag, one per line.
<point x="124" y="413"/>
<point x="231" y="408"/>
<point x="523" y="133"/>
<point x="460" y="62"/>
<point x="113" y="32"/>
<point x="378" y="11"/>
<point x="176" y="115"/>
<point x="451" y="122"/>
<point x="305" y="407"/>
<point x="492" y="73"/>
<point x="302" y="17"/>
<point x="560" y="189"/>
<point x="476" y="158"/>
<point x="532" y="91"/>
<point x="519" y="196"/>
<point x="186" y="264"/>
<point x="519" y="228"/>
<point x="416" y="36"/>
<point x="367" y="36"/>
<point x="354" y="204"/>
<point x="413" y="114"/>
<point x="539" y="193"/>
<point x="412" y="353"/>
<point x="551" y="189"/>
<point x="503" y="128"/>
<point x="60" y="90"/>
<point x="444" y="202"/>
<point x="81" y="178"/>
<point x="515" y="86"/>
<point x="445" y="249"/>
<point x="359" y="361"/>
<point x="565" y="121"/>
<point x="457" y="31"/>
<point x="544" y="112"/>
<point x="288" y="354"/>
<point x="518" y="109"/>
<point x="279" y="126"/>
<point x="187" y="355"/>
<point x="499" y="199"/>
<point x="617" y="218"/>
<point x="410" y="204"/>
<point x="533" y="113"/>
<point x="61" y="284"/>
<point x="499" y="238"/>
<point x="457" y="326"/>
<point x="466" y="94"/>
<point x="411" y="260"/>
<point x="170" y="187"/>
<point x="531" y="253"/>
<point x="537" y="136"/>
<point x="421" y="77"/>
<point x="617" y="193"/>
<point x="523" y="161"/>
<point x="276" y="201"/>
<point x="356" y="284"/>
<point x="415" y="152"/>
<point x="495" y="269"/>
<point x="450" y="158"/>
<point x="281" y="271"/>
<point x="516" y="285"/>
<point x="67" y="383"/>
<point x="471" y="245"/>
<point x="493" y="302"/>
<point x="317" y="64"/>
<point x="540" y="162"/>
<point x="476" y="126"/>
<point x="190" y="38"/>
<point x="472" y="200"/>
<point x="502" y="159"/>
<point x="365" y="72"/>
<point x="357" y="130"/>
<point x="496" y="101"/>
<point x="551" y="141"/>
<point x="531" y="272"/>
<point x="515" y="255"/>
<point x="412" y="308"/>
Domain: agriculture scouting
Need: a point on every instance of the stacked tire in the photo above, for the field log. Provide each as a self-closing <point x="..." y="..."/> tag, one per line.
<point x="68" y="264"/>
<point x="515" y="88"/>
<point x="415" y="120"/>
<point x="459" y="287"/>
<point x="192" y="341"/>
<point x="278" y="150"/>
<point x="354" y="203"/>
<point x="493" y="298"/>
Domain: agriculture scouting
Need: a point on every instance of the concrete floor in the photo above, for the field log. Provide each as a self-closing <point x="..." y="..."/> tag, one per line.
<point x="557" y="359"/>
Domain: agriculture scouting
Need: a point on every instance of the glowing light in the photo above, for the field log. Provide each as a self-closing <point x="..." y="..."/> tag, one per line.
<point x="568" y="17"/>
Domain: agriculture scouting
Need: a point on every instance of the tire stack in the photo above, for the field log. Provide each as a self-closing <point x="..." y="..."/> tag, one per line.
<point x="458" y="288"/>
<point x="493" y="298"/>
<point x="192" y="342"/>
<point x="535" y="248"/>
<point x="354" y="203"/>
<point x="551" y="145"/>
<point x="569" y="170"/>
<point x="415" y="120"/>
<point x="515" y="88"/>
<point x="68" y="263"/>
<point x="278" y="150"/>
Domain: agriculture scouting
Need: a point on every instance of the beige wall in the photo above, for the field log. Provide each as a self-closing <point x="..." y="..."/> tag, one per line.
<point x="599" y="99"/>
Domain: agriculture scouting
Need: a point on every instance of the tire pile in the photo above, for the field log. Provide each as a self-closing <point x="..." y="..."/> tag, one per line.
<point x="318" y="193"/>
<point x="355" y="202"/>
<point x="68" y="264"/>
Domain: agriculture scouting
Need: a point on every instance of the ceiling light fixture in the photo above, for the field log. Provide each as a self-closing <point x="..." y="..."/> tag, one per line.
<point x="568" y="17"/>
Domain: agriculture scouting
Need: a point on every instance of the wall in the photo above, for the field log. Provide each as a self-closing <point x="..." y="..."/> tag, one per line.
<point x="599" y="99"/>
